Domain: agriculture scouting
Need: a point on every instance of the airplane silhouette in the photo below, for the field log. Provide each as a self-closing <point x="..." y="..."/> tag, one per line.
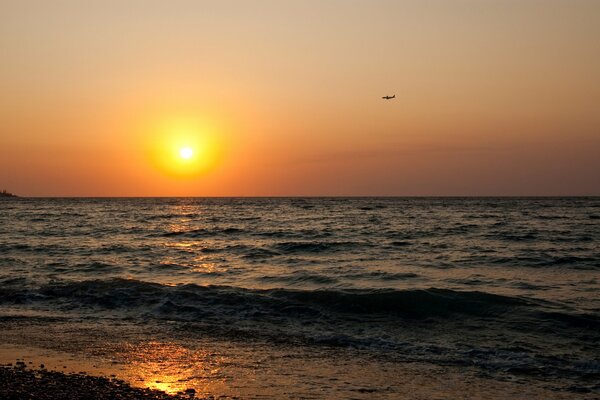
<point x="389" y="97"/>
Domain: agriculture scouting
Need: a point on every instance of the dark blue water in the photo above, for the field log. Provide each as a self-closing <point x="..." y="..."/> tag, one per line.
<point x="508" y="285"/>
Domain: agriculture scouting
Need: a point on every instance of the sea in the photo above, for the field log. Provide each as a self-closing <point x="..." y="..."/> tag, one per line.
<point x="390" y="297"/>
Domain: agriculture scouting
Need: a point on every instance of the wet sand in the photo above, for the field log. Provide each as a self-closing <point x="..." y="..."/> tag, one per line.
<point x="128" y="361"/>
<point x="58" y="380"/>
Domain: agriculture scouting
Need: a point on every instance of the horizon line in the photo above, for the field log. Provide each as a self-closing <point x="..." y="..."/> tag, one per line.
<point x="309" y="196"/>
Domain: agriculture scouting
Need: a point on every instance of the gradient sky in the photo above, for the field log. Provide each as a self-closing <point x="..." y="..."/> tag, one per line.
<point x="492" y="97"/>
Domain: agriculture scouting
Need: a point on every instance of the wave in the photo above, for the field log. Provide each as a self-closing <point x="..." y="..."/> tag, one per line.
<point x="301" y="233"/>
<point x="400" y="243"/>
<point x="317" y="246"/>
<point x="404" y="303"/>
<point x="382" y="275"/>
<point x="129" y="294"/>
<point x="202" y="232"/>
<point x="298" y="278"/>
<point x="546" y="260"/>
<point x="93" y="267"/>
<point x="433" y="325"/>
<point x="381" y="319"/>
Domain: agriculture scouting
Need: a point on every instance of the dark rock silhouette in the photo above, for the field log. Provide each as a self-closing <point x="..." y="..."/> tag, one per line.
<point x="4" y="193"/>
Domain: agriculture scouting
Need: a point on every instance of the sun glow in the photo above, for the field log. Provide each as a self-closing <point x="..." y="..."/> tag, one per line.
<point x="186" y="153"/>
<point x="183" y="147"/>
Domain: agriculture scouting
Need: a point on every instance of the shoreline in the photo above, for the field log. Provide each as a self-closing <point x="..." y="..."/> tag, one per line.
<point x="43" y="374"/>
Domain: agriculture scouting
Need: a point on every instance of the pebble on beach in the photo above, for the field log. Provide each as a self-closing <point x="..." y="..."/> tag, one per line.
<point x="19" y="383"/>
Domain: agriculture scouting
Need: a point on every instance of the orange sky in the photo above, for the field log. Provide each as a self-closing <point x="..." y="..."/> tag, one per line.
<point x="492" y="97"/>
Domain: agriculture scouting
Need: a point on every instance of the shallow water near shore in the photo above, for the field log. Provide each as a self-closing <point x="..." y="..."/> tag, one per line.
<point x="310" y="297"/>
<point x="250" y="369"/>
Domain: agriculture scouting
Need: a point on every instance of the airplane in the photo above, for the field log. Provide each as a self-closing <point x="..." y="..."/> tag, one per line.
<point x="389" y="97"/>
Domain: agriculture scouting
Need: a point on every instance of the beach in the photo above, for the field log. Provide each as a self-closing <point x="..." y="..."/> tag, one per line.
<point x="97" y="374"/>
<point x="18" y="383"/>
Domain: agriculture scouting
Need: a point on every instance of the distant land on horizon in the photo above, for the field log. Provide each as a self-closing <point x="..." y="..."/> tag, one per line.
<point x="4" y="193"/>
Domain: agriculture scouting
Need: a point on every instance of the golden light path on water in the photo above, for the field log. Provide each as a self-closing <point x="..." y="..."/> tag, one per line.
<point x="197" y="262"/>
<point x="172" y="368"/>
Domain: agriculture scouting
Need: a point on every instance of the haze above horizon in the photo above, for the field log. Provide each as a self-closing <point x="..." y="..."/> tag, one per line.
<point x="233" y="98"/>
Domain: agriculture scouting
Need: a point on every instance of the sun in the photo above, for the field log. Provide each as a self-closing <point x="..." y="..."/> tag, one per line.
<point x="186" y="153"/>
<point x="183" y="147"/>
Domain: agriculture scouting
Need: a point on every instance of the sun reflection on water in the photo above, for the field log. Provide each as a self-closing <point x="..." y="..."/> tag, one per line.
<point x="196" y="263"/>
<point x="172" y="368"/>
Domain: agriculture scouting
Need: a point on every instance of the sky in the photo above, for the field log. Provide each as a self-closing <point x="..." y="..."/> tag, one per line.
<point x="283" y="98"/>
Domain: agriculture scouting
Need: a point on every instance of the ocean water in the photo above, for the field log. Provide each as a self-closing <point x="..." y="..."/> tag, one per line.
<point x="506" y="287"/>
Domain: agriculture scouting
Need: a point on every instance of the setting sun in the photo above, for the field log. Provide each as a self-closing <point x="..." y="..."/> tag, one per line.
<point x="186" y="153"/>
<point x="182" y="146"/>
